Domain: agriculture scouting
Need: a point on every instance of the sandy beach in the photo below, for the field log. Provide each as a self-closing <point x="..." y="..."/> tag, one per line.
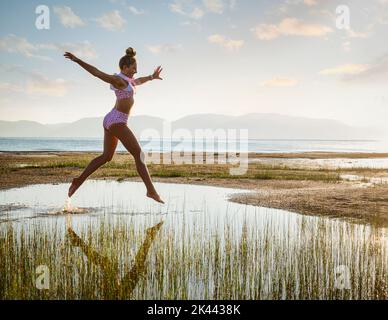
<point x="356" y="193"/>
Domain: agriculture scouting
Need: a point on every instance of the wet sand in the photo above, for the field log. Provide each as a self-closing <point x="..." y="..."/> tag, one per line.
<point x="305" y="191"/>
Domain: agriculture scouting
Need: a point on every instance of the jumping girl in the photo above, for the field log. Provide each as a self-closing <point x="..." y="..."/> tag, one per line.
<point x="115" y="122"/>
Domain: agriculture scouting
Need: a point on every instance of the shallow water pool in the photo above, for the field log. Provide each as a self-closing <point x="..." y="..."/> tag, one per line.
<point x="198" y="245"/>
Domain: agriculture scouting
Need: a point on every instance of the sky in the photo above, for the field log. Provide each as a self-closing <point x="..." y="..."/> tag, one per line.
<point x="311" y="58"/>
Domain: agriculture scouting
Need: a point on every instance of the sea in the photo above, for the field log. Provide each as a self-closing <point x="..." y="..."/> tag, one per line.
<point x="165" y="145"/>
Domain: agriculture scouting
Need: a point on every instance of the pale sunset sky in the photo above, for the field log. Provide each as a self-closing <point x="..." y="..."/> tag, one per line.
<point x="218" y="56"/>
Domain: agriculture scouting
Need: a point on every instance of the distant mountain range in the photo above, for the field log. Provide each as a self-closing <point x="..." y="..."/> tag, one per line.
<point x="259" y="125"/>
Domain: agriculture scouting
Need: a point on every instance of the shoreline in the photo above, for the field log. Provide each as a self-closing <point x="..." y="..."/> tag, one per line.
<point x="254" y="155"/>
<point x="308" y="191"/>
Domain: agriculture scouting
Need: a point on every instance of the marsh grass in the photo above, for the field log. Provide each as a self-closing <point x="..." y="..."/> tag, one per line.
<point x="108" y="259"/>
<point x="123" y="166"/>
<point x="258" y="171"/>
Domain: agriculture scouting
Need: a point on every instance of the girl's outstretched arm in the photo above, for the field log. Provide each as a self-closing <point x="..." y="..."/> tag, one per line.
<point x="117" y="82"/>
<point x="155" y="75"/>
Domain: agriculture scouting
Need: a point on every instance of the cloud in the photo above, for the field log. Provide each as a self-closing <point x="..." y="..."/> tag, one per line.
<point x="179" y="7"/>
<point x="10" y="67"/>
<point x="112" y="21"/>
<point x="232" y="45"/>
<point x="290" y="27"/>
<point x="351" y="34"/>
<point x="355" y="34"/>
<point x="376" y="70"/>
<point x="346" y="45"/>
<point x="192" y="23"/>
<point x="310" y="2"/>
<point x="36" y="84"/>
<point x="345" y="69"/>
<point x="301" y="8"/>
<point x="197" y="9"/>
<point x="14" y="44"/>
<point x="5" y="86"/>
<point x="83" y="49"/>
<point x="197" y="13"/>
<point x="135" y="11"/>
<point x="68" y="18"/>
<point x="280" y="82"/>
<point x="216" y="6"/>
<point x="43" y="86"/>
<point x="162" y="48"/>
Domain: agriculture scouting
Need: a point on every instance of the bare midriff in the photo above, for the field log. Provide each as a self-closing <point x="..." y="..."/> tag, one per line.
<point x="124" y="105"/>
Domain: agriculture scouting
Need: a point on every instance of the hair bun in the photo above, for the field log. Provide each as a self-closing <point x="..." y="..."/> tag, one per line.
<point x="130" y="52"/>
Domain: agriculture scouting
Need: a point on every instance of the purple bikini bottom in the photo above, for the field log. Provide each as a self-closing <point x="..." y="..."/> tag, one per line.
<point x="114" y="116"/>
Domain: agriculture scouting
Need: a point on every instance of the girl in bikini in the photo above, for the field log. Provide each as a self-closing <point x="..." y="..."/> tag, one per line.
<point x="115" y="122"/>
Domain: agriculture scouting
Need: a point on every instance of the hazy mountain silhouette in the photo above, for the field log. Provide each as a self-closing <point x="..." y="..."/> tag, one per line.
<point x="259" y="125"/>
<point x="22" y="128"/>
<point x="277" y="126"/>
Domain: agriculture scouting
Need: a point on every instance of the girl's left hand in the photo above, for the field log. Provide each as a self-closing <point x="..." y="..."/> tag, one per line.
<point x="156" y="74"/>
<point x="71" y="56"/>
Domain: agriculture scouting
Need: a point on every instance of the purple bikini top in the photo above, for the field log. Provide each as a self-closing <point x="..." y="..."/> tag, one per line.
<point x="126" y="93"/>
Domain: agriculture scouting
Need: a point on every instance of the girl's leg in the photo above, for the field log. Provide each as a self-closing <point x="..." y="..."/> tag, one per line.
<point x="110" y="144"/>
<point x="129" y="141"/>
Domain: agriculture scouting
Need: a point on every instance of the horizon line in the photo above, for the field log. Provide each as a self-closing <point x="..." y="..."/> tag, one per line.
<point x="200" y="114"/>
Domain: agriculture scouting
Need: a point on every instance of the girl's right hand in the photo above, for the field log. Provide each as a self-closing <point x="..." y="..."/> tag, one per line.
<point x="71" y="56"/>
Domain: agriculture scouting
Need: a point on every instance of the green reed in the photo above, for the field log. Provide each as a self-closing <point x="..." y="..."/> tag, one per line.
<point x="119" y="259"/>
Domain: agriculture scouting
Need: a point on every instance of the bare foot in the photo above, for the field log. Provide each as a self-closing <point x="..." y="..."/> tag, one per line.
<point x="74" y="186"/>
<point x="155" y="196"/>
